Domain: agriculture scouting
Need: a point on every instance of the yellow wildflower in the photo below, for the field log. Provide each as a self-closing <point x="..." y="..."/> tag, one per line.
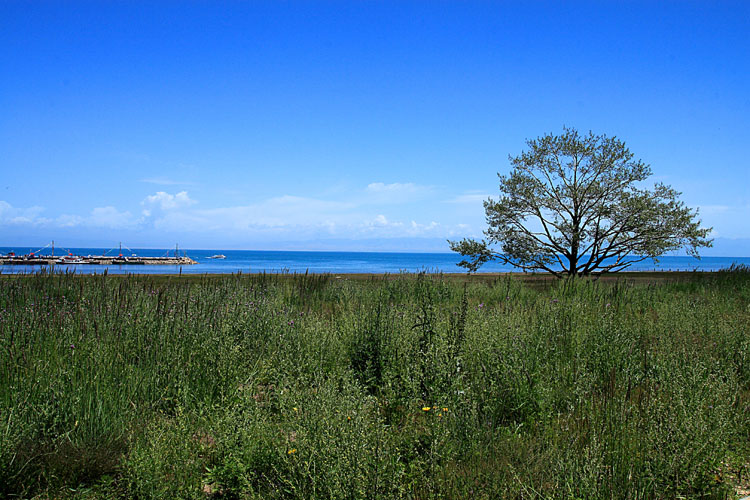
<point x="293" y="450"/>
<point x="426" y="408"/>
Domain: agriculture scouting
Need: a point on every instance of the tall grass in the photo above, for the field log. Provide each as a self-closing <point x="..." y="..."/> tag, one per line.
<point x="411" y="386"/>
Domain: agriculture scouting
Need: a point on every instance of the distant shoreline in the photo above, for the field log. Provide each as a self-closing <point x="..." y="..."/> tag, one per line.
<point x="344" y="263"/>
<point x="634" y="276"/>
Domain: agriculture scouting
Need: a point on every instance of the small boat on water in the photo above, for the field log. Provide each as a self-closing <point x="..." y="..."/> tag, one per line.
<point x="70" y="260"/>
<point x="217" y="256"/>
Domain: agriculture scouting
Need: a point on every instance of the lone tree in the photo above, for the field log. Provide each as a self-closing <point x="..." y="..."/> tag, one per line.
<point x="575" y="205"/>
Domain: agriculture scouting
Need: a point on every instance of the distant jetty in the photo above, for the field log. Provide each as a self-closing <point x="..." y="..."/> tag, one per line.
<point x="103" y="260"/>
<point x="37" y="259"/>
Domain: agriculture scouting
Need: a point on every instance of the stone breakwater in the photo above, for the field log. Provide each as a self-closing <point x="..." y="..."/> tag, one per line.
<point x="42" y="260"/>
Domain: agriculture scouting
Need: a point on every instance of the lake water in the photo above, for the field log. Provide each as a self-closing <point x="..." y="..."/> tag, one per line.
<point x="253" y="261"/>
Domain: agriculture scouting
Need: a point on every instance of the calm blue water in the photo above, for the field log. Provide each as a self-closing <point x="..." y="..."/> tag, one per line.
<point x="252" y="261"/>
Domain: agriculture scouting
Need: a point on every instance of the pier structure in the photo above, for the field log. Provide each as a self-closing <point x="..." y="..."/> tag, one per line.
<point x="37" y="259"/>
<point x="47" y="260"/>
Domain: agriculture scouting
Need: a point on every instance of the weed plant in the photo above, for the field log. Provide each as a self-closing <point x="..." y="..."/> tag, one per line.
<point x="408" y="386"/>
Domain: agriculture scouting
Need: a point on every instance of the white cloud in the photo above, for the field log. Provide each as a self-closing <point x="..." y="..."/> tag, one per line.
<point x="10" y="215"/>
<point x="463" y="231"/>
<point x="293" y="217"/>
<point x="381" y="220"/>
<point x="167" y="201"/>
<point x="278" y="218"/>
<point x="728" y="221"/>
<point x="110" y="217"/>
<point x="423" y="227"/>
<point x="68" y="220"/>
<point x="470" y="198"/>
<point x="396" y="192"/>
<point x="382" y="226"/>
<point x="176" y="221"/>
<point x="280" y="212"/>
<point x="379" y="187"/>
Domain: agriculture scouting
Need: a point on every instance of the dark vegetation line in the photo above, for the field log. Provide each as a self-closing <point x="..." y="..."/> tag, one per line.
<point x="413" y="386"/>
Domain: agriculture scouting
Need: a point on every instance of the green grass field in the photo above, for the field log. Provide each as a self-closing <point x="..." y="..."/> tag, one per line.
<point x="410" y="386"/>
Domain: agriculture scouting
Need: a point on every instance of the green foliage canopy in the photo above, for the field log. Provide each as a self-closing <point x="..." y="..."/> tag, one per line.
<point x="575" y="204"/>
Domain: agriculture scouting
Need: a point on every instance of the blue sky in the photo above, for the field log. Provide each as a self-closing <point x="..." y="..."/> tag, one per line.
<point x="349" y="125"/>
